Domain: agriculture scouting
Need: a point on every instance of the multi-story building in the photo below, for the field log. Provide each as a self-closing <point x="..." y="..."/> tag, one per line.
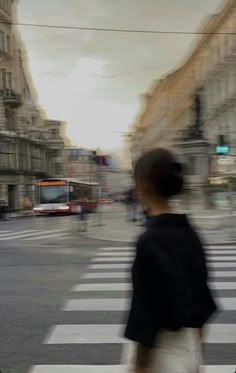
<point x="210" y="74"/>
<point x="56" y="145"/>
<point x="24" y="147"/>
<point x="80" y="164"/>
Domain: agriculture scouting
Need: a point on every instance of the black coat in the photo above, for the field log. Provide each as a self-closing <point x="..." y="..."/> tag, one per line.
<point x="169" y="275"/>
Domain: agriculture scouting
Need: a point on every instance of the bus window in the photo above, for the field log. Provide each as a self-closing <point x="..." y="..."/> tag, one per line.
<point x="53" y="194"/>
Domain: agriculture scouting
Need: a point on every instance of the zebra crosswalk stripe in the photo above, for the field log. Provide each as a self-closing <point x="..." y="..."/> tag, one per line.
<point x="96" y="279"/>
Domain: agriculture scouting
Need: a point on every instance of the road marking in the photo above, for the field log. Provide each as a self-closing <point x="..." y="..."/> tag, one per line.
<point x="113" y="249"/>
<point x="220" y="252"/>
<point x="120" y="259"/>
<point x="127" y="275"/>
<point x="222" y="274"/>
<point x="215" y="258"/>
<point x="220" y="333"/>
<point x="219" y="247"/>
<point x="222" y="265"/>
<point x="28" y="235"/>
<point x="82" y="369"/>
<point x="110" y="266"/>
<point x="96" y="305"/>
<point x="47" y="236"/>
<point x="18" y="233"/>
<point x="116" y="259"/>
<point x="218" y="369"/>
<point x="223" y="285"/>
<point x="116" y="369"/>
<point x="113" y="333"/>
<point x="111" y="275"/>
<point x="117" y="254"/>
<point x="227" y="304"/>
<point x="84" y="334"/>
<point x="102" y="287"/>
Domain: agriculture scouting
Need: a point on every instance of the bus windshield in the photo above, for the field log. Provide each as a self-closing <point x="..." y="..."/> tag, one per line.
<point x="53" y="194"/>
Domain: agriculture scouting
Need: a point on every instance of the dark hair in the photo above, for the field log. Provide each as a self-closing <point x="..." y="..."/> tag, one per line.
<point x="160" y="172"/>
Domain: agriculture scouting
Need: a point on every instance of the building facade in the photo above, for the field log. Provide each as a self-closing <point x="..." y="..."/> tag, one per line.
<point x="80" y="164"/>
<point x="25" y="152"/>
<point x="210" y="73"/>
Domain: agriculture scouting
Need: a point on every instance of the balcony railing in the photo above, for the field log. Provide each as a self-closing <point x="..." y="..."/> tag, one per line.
<point x="11" y="99"/>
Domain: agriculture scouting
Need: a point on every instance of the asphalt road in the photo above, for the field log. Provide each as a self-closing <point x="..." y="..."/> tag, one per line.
<point x="62" y="300"/>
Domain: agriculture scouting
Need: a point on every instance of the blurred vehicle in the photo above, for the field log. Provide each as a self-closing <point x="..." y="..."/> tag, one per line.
<point x="61" y="196"/>
<point x="4" y="210"/>
<point x="105" y="200"/>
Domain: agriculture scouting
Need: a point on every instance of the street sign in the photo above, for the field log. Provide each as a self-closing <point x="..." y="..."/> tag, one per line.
<point x="222" y="149"/>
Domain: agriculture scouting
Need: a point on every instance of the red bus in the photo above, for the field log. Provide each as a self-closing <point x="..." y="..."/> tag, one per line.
<point x="55" y="196"/>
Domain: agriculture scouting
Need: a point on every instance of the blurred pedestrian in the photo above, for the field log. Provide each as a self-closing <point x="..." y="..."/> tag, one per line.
<point x="83" y="215"/>
<point x="171" y="300"/>
<point x="132" y="204"/>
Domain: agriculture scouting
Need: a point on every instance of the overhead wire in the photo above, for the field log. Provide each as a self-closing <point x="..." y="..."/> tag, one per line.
<point x="120" y="30"/>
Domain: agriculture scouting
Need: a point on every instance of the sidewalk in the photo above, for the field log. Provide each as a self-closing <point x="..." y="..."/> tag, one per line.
<point x="111" y="224"/>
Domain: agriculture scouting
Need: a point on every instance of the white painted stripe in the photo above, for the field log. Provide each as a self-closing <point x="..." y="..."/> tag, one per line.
<point x="2" y="232"/>
<point x="220" y="333"/>
<point x="47" y="236"/>
<point x="227" y="304"/>
<point x="128" y="266"/>
<point x="106" y="333"/>
<point x="82" y="369"/>
<point x="217" y="369"/>
<point x="220" y="258"/>
<point x="96" y="305"/>
<point x="127" y="275"/>
<point x="223" y="285"/>
<point x="84" y="334"/>
<point x="120" y="259"/>
<point x="116" y="248"/>
<point x="222" y="265"/>
<point x="218" y="248"/>
<point x="111" y="275"/>
<point x="128" y="257"/>
<point x="21" y="235"/>
<point x="116" y="259"/>
<point x="110" y="266"/>
<point x="19" y="232"/>
<point x="222" y="274"/>
<point x="220" y="252"/>
<point x="117" y="254"/>
<point x="116" y="369"/>
<point x="102" y="287"/>
<point x="127" y="286"/>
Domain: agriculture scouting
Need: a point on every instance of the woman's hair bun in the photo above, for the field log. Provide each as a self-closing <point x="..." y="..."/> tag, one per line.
<point x="160" y="173"/>
<point x="171" y="180"/>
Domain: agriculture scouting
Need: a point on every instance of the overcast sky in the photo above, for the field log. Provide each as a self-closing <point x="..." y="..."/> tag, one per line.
<point x="93" y="80"/>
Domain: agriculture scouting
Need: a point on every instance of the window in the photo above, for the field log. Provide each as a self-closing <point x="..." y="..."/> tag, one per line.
<point x="9" y="80"/>
<point x="36" y="158"/>
<point x="7" y="155"/>
<point x="3" y="78"/>
<point x="55" y="131"/>
<point x="23" y="156"/>
<point x="2" y="41"/>
<point x="10" y="120"/>
<point x="8" y="39"/>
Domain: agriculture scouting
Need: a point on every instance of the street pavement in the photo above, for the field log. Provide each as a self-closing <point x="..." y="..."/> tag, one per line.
<point x="64" y="301"/>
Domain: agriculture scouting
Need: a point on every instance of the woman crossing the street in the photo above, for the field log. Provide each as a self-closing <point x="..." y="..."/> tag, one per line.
<point x="171" y="300"/>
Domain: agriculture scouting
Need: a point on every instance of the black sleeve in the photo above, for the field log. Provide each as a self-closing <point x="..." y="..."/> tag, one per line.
<point x="140" y="326"/>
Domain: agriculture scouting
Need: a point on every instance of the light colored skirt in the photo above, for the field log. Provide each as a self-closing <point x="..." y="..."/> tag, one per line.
<point x="177" y="352"/>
